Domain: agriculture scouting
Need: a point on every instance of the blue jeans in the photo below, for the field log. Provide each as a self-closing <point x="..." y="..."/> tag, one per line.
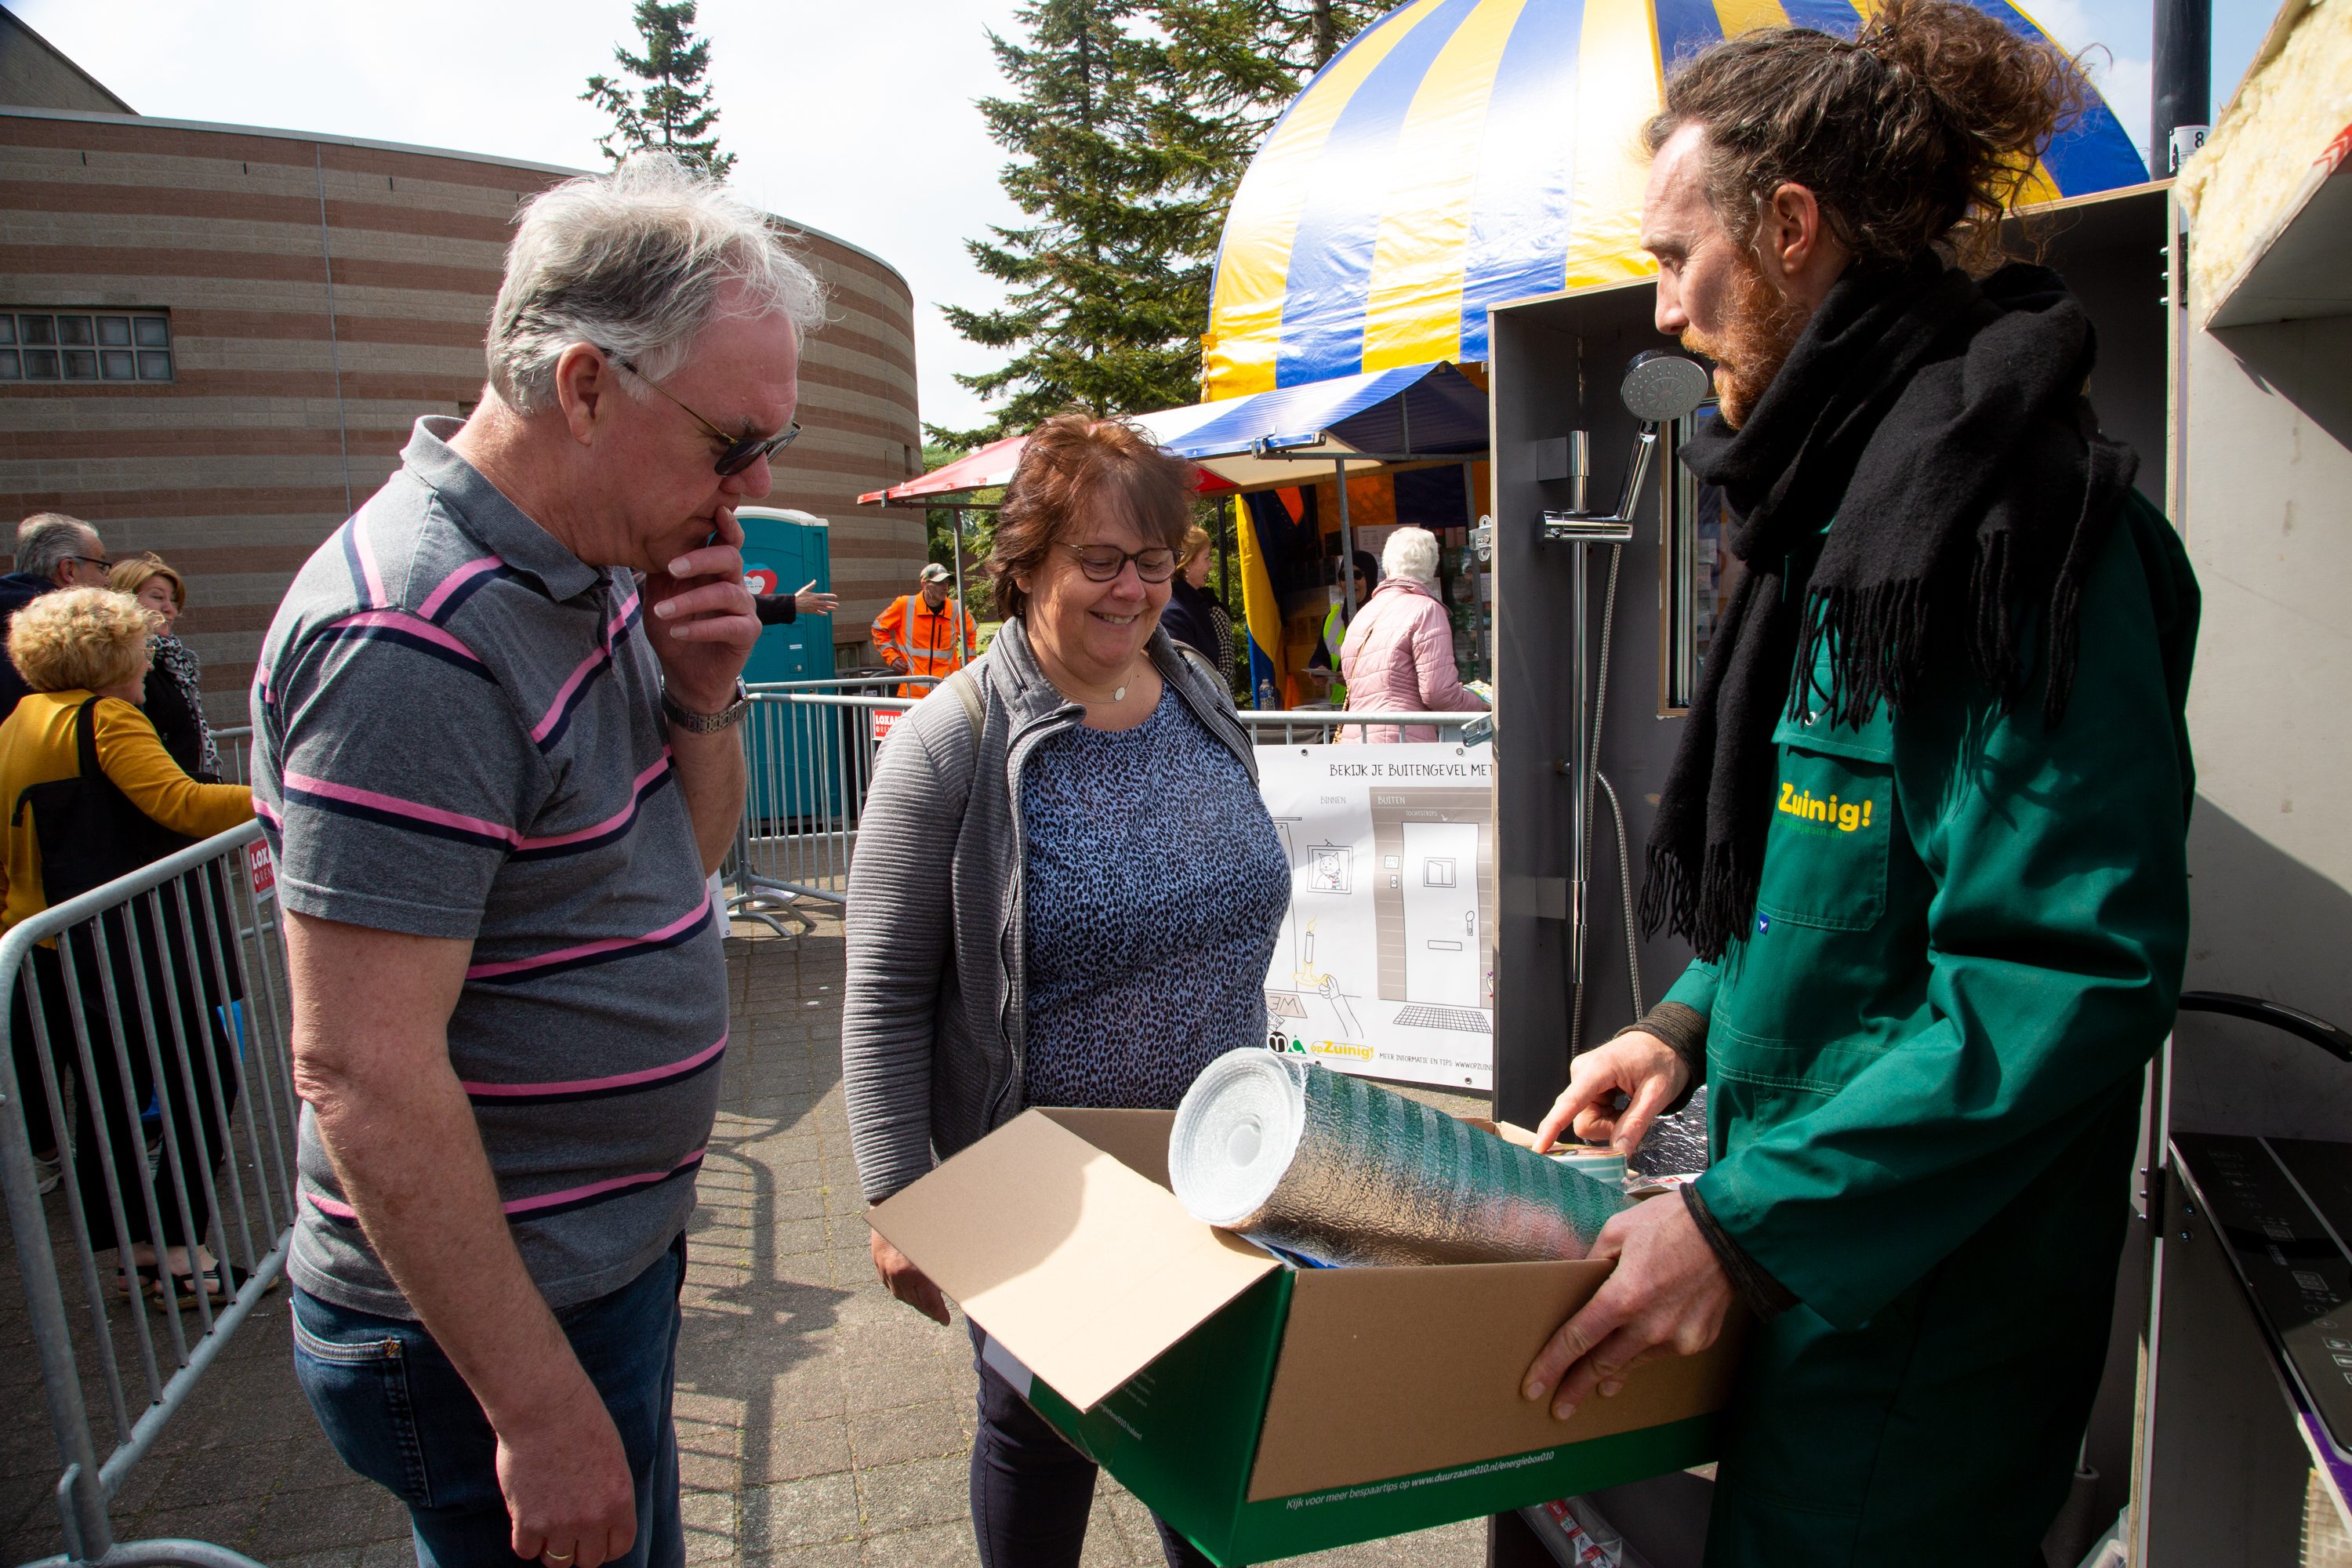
<point x="398" y="1413"/>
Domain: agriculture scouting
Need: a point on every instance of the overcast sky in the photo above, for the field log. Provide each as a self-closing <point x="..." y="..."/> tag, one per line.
<point x="855" y="118"/>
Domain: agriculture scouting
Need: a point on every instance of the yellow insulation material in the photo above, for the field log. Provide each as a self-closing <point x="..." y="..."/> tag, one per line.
<point x="2250" y="175"/>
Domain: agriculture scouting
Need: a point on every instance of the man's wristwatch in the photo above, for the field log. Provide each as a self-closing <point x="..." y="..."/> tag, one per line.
<point x="707" y="723"/>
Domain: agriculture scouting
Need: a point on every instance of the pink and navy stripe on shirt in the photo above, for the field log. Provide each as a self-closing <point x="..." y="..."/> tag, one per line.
<point x="461" y="737"/>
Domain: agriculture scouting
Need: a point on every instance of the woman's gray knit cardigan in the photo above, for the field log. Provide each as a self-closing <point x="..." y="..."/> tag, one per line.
<point x="931" y="1039"/>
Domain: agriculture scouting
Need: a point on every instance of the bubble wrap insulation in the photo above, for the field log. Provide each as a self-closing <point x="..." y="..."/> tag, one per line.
<point x="1342" y="1172"/>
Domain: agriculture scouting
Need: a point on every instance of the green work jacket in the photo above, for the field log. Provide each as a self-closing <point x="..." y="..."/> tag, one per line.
<point x="1970" y="931"/>
<point x="1968" y="942"/>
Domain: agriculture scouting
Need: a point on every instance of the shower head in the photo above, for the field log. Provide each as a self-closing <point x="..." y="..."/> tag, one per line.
<point x="1661" y="385"/>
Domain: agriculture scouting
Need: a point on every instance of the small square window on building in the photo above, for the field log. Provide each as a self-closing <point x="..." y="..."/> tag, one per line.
<point x="85" y="346"/>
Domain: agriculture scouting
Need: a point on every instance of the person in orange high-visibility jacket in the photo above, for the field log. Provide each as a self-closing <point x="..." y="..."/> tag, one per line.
<point x="916" y="635"/>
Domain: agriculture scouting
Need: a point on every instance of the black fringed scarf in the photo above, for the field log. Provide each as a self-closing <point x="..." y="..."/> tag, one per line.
<point x="1941" y="421"/>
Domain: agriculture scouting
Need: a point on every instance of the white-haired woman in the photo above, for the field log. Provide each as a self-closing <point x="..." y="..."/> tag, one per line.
<point x="1398" y="656"/>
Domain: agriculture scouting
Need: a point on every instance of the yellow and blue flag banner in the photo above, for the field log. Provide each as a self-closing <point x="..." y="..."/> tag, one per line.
<point x="1281" y="555"/>
<point x="1459" y="154"/>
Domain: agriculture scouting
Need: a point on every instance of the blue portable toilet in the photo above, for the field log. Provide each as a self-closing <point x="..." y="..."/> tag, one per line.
<point x="795" y="751"/>
<point x="782" y="550"/>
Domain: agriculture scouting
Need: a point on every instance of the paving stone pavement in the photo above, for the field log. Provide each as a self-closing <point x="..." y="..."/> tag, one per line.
<point x="819" y="1422"/>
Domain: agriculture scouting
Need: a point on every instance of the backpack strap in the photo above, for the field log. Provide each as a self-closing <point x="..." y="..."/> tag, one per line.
<point x="85" y="739"/>
<point x="959" y="681"/>
<point x="84" y="722"/>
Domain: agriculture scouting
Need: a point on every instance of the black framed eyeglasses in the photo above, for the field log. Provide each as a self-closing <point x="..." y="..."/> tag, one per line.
<point x="743" y="451"/>
<point x="1101" y="562"/>
<point x="93" y="561"/>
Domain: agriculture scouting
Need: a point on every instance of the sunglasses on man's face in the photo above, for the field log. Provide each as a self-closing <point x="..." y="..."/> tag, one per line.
<point x="742" y="451"/>
<point x="1101" y="562"/>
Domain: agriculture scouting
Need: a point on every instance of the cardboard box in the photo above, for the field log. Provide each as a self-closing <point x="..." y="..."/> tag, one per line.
<point x="1267" y="1411"/>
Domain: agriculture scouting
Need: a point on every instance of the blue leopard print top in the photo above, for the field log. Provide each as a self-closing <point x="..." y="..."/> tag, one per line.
<point x="1153" y="888"/>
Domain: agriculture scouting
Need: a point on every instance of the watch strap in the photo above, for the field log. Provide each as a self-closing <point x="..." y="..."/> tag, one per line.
<point x="686" y="719"/>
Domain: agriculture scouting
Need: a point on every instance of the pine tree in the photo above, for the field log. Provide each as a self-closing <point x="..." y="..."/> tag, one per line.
<point x="1109" y="284"/>
<point x="673" y="112"/>
<point x="1135" y="121"/>
<point x="1239" y="63"/>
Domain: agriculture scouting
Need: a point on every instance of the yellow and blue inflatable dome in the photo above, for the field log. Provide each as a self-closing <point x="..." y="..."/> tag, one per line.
<point x="1461" y="152"/>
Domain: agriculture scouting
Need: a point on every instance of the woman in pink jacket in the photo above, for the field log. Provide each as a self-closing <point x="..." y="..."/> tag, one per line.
<point x="1398" y="656"/>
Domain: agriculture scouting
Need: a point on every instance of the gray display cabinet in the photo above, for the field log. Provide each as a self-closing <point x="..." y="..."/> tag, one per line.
<point x="2261" y="476"/>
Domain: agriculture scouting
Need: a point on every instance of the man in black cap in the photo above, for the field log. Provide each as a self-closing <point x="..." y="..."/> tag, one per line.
<point x="925" y="632"/>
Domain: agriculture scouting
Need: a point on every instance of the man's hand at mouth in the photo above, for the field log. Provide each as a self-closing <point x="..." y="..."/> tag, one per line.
<point x="701" y="617"/>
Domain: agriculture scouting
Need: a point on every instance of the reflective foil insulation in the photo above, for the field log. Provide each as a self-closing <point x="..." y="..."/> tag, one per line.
<point x="1675" y="1145"/>
<point x="1340" y="1172"/>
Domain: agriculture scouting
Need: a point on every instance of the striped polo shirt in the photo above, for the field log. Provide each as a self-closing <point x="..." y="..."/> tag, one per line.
<point x="459" y="734"/>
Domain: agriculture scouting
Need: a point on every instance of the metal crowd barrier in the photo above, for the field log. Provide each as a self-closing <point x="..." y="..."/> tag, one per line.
<point x="161" y="1009"/>
<point x="810" y="747"/>
<point x="1318" y="726"/>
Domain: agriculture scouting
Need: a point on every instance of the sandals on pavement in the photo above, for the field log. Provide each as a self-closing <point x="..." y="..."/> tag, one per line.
<point x="219" y="1282"/>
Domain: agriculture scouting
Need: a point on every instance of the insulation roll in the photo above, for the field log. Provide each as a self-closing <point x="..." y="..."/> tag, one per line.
<point x="1675" y="1145"/>
<point x="1341" y="1172"/>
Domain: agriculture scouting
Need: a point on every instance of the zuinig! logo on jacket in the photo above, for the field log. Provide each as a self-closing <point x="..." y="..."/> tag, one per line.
<point x="1833" y="815"/>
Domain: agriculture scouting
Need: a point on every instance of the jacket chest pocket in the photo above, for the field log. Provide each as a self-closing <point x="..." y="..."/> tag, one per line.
<point x="1825" y="858"/>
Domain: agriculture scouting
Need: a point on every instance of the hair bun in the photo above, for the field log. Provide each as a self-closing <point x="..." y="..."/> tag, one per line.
<point x="2007" y="94"/>
<point x="1933" y="116"/>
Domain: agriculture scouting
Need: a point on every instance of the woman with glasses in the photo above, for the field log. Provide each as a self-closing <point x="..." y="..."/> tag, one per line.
<point x="1066" y="892"/>
<point x="175" y="703"/>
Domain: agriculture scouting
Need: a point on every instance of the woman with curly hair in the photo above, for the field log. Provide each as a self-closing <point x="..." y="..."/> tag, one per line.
<point x="93" y="795"/>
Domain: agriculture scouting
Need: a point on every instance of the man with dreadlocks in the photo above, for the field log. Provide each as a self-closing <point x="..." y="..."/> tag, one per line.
<point x="1926" y="826"/>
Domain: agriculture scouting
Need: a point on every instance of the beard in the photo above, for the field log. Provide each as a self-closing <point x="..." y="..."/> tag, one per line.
<point x="1758" y="333"/>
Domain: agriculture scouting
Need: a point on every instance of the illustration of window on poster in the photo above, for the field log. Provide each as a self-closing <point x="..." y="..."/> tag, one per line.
<point x="1385" y="963"/>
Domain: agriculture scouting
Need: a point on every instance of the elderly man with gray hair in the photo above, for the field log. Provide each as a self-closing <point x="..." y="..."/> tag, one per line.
<point x="53" y="551"/>
<point x="494" y="756"/>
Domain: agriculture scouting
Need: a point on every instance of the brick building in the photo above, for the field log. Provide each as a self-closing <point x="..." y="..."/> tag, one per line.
<point x="219" y="337"/>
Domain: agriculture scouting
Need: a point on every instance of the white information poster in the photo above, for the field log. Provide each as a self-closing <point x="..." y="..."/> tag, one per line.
<point x="1385" y="963"/>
